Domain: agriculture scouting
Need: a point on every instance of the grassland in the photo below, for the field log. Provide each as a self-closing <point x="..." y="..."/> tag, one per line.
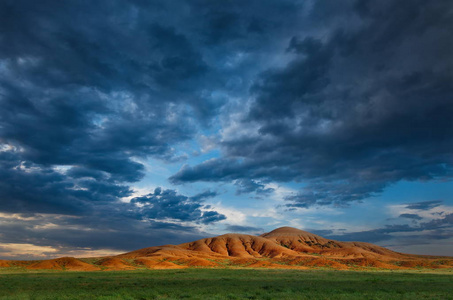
<point x="227" y="284"/>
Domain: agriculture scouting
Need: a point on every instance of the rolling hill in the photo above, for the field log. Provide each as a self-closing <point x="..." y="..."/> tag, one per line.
<point x="284" y="247"/>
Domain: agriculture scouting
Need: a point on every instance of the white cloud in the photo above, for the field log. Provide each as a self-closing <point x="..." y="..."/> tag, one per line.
<point x="16" y="250"/>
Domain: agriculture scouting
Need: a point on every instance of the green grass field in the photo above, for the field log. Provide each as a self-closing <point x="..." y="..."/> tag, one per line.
<point x="227" y="284"/>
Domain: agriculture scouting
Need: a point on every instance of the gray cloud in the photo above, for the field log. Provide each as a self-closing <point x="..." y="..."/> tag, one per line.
<point x="97" y="87"/>
<point x="91" y="90"/>
<point x="361" y="105"/>
<point x="421" y="233"/>
<point x="246" y="229"/>
<point x="81" y="90"/>
<point x="27" y="188"/>
<point x="424" y="205"/>
<point x="411" y="216"/>
<point x="151" y="220"/>
<point x="347" y="99"/>
<point x="167" y="204"/>
<point x="248" y="186"/>
<point x="204" y="195"/>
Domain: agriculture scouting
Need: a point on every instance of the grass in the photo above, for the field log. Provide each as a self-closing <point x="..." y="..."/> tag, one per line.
<point x="226" y="284"/>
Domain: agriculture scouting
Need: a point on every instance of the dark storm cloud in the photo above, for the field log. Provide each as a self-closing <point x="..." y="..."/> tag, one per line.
<point x="424" y="205"/>
<point x="411" y="216"/>
<point x="446" y="221"/>
<point x="98" y="231"/>
<point x="243" y="25"/>
<point x="348" y="98"/>
<point x="434" y="229"/>
<point x="96" y="87"/>
<point x="248" y="186"/>
<point x="247" y="229"/>
<point x="204" y="195"/>
<point x="364" y="102"/>
<point x="92" y="88"/>
<point x="167" y="204"/>
<point x="27" y="188"/>
<point x="88" y="91"/>
<point x="151" y="220"/>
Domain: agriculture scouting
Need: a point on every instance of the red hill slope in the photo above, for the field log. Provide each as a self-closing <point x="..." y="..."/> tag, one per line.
<point x="284" y="247"/>
<point x="63" y="263"/>
<point x="239" y="245"/>
<point x="303" y="241"/>
<point x="224" y="246"/>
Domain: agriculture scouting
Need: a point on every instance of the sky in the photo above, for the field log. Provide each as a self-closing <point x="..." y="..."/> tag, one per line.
<point x="130" y="124"/>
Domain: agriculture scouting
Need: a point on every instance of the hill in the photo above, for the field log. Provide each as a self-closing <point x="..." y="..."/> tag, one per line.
<point x="303" y="241"/>
<point x="284" y="247"/>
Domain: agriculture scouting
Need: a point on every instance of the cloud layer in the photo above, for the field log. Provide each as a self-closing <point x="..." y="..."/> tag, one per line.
<point x="362" y="104"/>
<point x="340" y="101"/>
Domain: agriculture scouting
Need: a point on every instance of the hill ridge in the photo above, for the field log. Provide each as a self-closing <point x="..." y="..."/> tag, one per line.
<point x="283" y="247"/>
